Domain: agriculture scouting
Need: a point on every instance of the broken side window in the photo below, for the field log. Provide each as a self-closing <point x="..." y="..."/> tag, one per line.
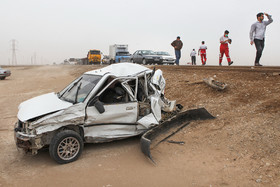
<point x="114" y="93"/>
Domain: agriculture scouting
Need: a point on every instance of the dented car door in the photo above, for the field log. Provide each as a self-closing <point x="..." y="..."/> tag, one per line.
<point x="117" y="119"/>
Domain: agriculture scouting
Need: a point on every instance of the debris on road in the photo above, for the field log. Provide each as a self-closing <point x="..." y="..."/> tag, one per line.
<point x="215" y="84"/>
<point x="176" y="142"/>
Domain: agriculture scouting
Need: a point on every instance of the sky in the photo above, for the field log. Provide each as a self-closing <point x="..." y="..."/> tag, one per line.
<point x="53" y="30"/>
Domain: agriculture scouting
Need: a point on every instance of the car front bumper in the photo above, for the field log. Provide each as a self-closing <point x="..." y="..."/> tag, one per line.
<point x="28" y="142"/>
<point x="154" y="61"/>
<point x="168" y="61"/>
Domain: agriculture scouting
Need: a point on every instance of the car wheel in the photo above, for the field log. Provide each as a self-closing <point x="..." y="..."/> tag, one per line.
<point x="2" y="78"/>
<point x="132" y="61"/>
<point x="144" y="62"/>
<point x="66" y="146"/>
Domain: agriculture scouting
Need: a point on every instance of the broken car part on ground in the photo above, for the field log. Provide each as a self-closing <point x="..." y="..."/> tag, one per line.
<point x="176" y="123"/>
<point x="115" y="102"/>
<point x="215" y="84"/>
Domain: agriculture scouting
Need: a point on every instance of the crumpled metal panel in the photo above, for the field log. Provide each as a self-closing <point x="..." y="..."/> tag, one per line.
<point x="147" y="121"/>
<point x="106" y="133"/>
<point x="74" y="115"/>
<point x="114" y="113"/>
<point x="41" y="105"/>
<point x="158" y="80"/>
<point x="156" y="108"/>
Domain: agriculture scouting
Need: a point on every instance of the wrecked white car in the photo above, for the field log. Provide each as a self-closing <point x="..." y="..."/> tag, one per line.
<point x="115" y="102"/>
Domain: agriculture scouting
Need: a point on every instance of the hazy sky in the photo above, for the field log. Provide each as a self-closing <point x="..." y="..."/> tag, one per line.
<point x="54" y="30"/>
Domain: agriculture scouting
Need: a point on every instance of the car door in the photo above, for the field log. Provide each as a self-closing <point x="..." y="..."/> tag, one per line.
<point x="118" y="119"/>
<point x="140" y="57"/>
<point x="136" y="56"/>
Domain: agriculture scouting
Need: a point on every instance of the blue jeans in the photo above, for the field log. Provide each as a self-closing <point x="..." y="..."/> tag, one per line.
<point x="178" y="56"/>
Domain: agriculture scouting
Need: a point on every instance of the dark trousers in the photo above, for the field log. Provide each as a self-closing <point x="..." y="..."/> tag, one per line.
<point x="193" y="60"/>
<point x="259" y="46"/>
<point x="178" y="56"/>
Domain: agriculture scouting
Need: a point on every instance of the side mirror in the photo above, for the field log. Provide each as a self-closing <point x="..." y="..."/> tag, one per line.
<point x="98" y="105"/>
<point x="140" y="54"/>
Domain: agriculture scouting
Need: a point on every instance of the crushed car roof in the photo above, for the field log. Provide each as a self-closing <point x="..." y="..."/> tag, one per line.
<point x="120" y="70"/>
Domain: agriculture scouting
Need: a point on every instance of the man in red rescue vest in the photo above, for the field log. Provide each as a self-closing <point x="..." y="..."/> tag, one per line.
<point x="202" y="53"/>
<point x="224" y="40"/>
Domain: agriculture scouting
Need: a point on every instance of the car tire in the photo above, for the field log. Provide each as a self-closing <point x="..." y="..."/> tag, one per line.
<point x="144" y="62"/>
<point x="132" y="61"/>
<point x="66" y="146"/>
<point x="2" y="78"/>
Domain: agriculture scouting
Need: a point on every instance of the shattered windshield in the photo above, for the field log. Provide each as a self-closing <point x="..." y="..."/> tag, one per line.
<point x="79" y="89"/>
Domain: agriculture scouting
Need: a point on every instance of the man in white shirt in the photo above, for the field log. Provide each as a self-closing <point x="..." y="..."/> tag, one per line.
<point x="193" y="56"/>
<point x="257" y="35"/>
<point x="202" y="53"/>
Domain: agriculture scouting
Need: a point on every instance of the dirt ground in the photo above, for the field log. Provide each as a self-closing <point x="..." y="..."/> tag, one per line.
<point x="241" y="147"/>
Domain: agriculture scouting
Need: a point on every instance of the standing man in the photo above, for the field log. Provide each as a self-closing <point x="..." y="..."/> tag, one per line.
<point x="257" y="35"/>
<point x="202" y="53"/>
<point x="193" y="56"/>
<point x="177" y="44"/>
<point x="224" y="40"/>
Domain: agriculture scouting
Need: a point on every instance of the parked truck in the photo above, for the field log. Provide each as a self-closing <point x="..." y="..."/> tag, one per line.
<point x="94" y="56"/>
<point x="118" y="53"/>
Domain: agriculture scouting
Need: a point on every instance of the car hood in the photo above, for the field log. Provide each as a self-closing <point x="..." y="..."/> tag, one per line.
<point x="41" y="105"/>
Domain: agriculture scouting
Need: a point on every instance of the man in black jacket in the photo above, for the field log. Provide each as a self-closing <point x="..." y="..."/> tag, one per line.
<point x="177" y="44"/>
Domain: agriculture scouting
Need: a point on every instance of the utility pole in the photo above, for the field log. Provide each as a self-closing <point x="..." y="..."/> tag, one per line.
<point x="35" y="61"/>
<point x="14" y="56"/>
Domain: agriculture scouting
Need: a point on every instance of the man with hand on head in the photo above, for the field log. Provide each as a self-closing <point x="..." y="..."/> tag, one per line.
<point x="257" y="34"/>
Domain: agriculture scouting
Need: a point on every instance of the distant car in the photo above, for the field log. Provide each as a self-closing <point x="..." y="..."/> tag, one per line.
<point x="146" y="57"/>
<point x="4" y="73"/>
<point x="106" y="59"/>
<point x="167" y="58"/>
